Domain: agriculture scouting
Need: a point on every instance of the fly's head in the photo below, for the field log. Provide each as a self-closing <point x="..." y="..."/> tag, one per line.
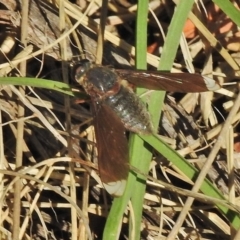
<point x="80" y="70"/>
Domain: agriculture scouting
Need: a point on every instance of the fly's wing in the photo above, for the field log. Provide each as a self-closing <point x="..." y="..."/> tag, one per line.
<point x="172" y="82"/>
<point x="112" y="148"/>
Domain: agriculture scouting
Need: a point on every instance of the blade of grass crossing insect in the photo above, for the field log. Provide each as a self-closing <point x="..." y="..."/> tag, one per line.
<point x="141" y="157"/>
<point x="140" y="153"/>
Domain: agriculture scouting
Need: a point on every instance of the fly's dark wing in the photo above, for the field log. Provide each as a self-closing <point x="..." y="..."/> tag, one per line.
<point x="173" y="82"/>
<point x="112" y="148"/>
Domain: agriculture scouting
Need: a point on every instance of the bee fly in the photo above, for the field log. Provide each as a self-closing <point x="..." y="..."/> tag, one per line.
<point x="117" y="108"/>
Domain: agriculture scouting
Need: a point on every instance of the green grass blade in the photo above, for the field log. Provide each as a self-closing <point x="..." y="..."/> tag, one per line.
<point x="140" y="156"/>
<point x="174" y="34"/>
<point x="37" y="82"/>
<point x="228" y="8"/>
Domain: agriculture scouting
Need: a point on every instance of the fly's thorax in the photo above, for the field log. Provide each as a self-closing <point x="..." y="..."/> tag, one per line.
<point x="100" y="82"/>
<point x="102" y="78"/>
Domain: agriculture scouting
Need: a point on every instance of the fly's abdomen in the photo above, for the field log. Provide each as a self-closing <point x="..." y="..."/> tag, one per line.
<point x="131" y="110"/>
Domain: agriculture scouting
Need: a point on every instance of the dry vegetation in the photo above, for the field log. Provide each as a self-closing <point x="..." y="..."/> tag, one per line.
<point x="47" y="138"/>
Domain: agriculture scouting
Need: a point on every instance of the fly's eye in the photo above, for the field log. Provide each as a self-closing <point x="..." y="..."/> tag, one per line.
<point x="80" y="71"/>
